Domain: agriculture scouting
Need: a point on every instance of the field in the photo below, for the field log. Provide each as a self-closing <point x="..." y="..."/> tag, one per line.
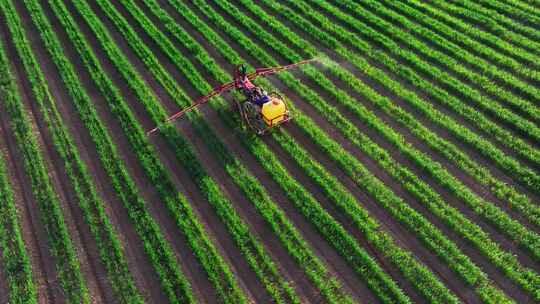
<point x="410" y="172"/>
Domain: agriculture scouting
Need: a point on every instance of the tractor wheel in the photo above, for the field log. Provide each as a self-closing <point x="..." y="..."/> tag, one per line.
<point x="254" y="117"/>
<point x="237" y="107"/>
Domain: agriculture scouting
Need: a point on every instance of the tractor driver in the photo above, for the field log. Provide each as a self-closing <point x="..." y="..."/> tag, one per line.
<point x="255" y="94"/>
<point x="244" y="81"/>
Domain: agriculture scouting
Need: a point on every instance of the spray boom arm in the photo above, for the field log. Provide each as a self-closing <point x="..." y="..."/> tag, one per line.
<point x="229" y="86"/>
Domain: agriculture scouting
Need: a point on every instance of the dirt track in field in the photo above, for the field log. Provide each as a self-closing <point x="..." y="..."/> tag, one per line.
<point x="139" y="264"/>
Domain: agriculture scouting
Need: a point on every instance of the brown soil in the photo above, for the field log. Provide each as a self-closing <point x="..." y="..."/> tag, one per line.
<point x="32" y="229"/>
<point x="299" y="137"/>
<point x="506" y="244"/>
<point x="223" y="240"/>
<point x="4" y="288"/>
<point x="145" y="277"/>
<point x="390" y="182"/>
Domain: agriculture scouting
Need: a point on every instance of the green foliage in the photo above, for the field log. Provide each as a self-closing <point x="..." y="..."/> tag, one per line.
<point x="449" y="150"/>
<point x="518" y="50"/>
<point x="524" y="174"/>
<point x="529" y="239"/>
<point x="160" y="253"/>
<point x="60" y="243"/>
<point x="110" y="249"/>
<point x="251" y="188"/>
<point x="457" y="55"/>
<point x="501" y="24"/>
<point x="16" y="262"/>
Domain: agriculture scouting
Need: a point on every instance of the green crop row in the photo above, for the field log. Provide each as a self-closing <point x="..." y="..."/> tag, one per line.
<point x="491" y="27"/>
<point x="297" y="194"/>
<point x="524" y="174"/>
<point x="448" y="82"/>
<point x="482" y="175"/>
<point x="515" y="51"/>
<point x="395" y="32"/>
<point x="529" y="5"/>
<point x="16" y="262"/>
<point x="527" y="17"/>
<point x="261" y="15"/>
<point x="263" y="203"/>
<point x="490" y="212"/>
<point x="60" y="243"/>
<point x="436" y="31"/>
<point x="160" y="253"/>
<point x="415" y="10"/>
<point x="251" y="248"/>
<point x="524" y="6"/>
<point x="110" y="249"/>
<point x="308" y="95"/>
<point x="524" y="32"/>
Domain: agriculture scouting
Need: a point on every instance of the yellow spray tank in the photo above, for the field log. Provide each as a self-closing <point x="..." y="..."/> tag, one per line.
<point x="275" y="111"/>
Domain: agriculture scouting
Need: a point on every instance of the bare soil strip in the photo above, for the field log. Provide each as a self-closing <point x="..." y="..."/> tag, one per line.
<point x="33" y="231"/>
<point x="4" y="287"/>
